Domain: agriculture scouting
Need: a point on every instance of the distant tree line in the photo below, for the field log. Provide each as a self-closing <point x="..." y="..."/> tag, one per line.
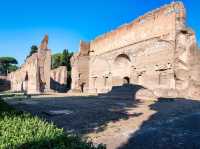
<point x="61" y="59"/>
<point x="7" y="65"/>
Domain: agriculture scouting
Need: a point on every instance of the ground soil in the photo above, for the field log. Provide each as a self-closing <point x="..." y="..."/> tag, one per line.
<point x="120" y="123"/>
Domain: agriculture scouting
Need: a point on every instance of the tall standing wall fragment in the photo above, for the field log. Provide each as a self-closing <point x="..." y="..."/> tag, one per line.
<point x="156" y="51"/>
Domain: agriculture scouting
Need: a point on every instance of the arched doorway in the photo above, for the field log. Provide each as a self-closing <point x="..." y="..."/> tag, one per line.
<point x="121" y="70"/>
<point x="126" y="80"/>
<point x="25" y="83"/>
<point x="82" y="87"/>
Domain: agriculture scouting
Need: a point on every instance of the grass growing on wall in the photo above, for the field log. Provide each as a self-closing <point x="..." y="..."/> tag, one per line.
<point x="19" y="130"/>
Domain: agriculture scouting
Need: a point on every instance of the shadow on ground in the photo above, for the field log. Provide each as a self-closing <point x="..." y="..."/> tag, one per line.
<point x="81" y="115"/>
<point x="175" y="125"/>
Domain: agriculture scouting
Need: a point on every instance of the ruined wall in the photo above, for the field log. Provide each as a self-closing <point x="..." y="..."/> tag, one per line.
<point x="34" y="75"/>
<point x="156" y="51"/>
<point x="16" y="80"/>
<point x="31" y="75"/>
<point x="142" y="52"/>
<point x="148" y="64"/>
<point x="59" y="79"/>
<point x="160" y="22"/>
<point x="187" y="64"/>
<point x="80" y="68"/>
<point x="26" y="78"/>
<point x="44" y="62"/>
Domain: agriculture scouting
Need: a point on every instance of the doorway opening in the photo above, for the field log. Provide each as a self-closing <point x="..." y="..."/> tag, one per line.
<point x="126" y="80"/>
<point x="82" y="87"/>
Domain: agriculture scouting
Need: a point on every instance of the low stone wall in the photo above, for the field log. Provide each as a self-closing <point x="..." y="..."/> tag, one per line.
<point x="59" y="79"/>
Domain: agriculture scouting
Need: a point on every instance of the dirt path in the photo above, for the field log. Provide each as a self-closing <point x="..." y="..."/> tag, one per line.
<point x="122" y="124"/>
<point x="117" y="133"/>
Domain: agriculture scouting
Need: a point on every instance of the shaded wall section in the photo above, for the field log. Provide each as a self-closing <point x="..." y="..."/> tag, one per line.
<point x="59" y="79"/>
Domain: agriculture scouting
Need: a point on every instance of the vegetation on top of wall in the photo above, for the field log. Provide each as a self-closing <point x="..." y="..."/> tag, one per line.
<point x="34" y="49"/>
<point x="21" y="130"/>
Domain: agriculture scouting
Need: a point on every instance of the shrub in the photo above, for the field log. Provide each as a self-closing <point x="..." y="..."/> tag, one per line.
<point x="19" y="130"/>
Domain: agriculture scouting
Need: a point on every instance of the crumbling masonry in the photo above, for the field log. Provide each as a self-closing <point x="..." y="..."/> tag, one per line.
<point x="35" y="75"/>
<point x="157" y="51"/>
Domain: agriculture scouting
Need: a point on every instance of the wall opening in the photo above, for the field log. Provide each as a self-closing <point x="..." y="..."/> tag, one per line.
<point x="126" y="80"/>
<point x="121" y="66"/>
<point x="24" y="85"/>
<point x="82" y="87"/>
<point x="105" y="82"/>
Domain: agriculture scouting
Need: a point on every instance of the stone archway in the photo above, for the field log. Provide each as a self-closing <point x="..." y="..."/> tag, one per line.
<point x="25" y="83"/>
<point x="126" y="80"/>
<point x="82" y="86"/>
<point x="121" y="70"/>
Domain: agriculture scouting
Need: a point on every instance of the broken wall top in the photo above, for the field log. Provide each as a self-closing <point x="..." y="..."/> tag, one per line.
<point x="154" y="24"/>
<point x="84" y="48"/>
<point x="44" y="43"/>
<point x="60" y="68"/>
<point x="31" y="59"/>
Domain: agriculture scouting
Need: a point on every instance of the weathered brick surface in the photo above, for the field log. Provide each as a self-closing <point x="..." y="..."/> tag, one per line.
<point x="80" y="68"/>
<point x="156" y="51"/>
<point x="34" y="75"/>
<point x="59" y="79"/>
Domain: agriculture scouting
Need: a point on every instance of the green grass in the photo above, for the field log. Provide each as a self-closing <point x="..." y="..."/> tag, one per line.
<point x="20" y="130"/>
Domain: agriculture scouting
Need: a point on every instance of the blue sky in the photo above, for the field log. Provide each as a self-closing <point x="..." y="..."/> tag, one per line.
<point x="25" y="22"/>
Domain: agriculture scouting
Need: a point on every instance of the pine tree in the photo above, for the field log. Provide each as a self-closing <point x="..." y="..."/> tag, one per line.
<point x="34" y="49"/>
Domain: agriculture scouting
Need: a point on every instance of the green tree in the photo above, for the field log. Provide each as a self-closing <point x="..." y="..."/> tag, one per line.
<point x="34" y="49"/>
<point x="7" y="64"/>
<point x="12" y="68"/>
<point x="62" y="59"/>
<point x="56" y="60"/>
<point x="65" y="60"/>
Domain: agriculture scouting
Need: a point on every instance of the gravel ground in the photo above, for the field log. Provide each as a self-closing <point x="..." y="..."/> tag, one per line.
<point x="122" y="124"/>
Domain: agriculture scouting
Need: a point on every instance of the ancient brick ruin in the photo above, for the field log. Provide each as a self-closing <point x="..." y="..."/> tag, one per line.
<point x="35" y="75"/>
<point x="59" y="79"/>
<point x="157" y="51"/>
